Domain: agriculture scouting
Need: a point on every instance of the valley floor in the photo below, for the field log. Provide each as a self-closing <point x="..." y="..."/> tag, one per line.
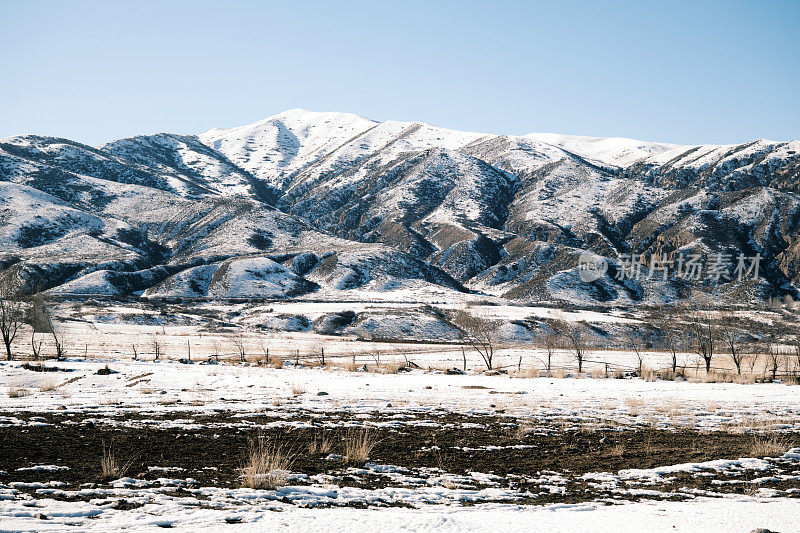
<point x="451" y="452"/>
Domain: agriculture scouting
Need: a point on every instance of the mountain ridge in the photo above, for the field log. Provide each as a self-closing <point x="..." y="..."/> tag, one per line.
<point x="500" y="214"/>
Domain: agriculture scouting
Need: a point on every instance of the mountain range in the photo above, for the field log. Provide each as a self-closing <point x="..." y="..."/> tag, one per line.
<point x="338" y="205"/>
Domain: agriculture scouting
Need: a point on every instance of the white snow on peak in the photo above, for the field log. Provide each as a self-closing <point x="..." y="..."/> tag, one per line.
<point x="617" y="151"/>
<point x="280" y="144"/>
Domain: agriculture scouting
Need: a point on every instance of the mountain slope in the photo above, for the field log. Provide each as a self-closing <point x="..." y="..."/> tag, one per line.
<point x="305" y="202"/>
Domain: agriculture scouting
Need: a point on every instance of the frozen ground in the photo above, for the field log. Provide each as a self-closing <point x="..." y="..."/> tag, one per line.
<point x="166" y="386"/>
<point x="703" y="514"/>
<point x="456" y="452"/>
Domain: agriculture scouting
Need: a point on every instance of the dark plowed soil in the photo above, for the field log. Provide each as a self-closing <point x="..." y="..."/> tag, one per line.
<point x="213" y="456"/>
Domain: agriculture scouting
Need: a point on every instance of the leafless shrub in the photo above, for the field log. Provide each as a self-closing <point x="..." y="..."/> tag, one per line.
<point x="773" y="359"/>
<point x="730" y="336"/>
<point x="36" y="346"/>
<point x="267" y="466"/>
<point x="670" y="336"/>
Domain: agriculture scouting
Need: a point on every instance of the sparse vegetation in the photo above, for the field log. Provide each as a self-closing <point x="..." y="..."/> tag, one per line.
<point x="267" y="465"/>
<point x="769" y="446"/>
<point x="358" y="445"/>
<point x="321" y="444"/>
<point x="111" y="467"/>
<point x="15" y="391"/>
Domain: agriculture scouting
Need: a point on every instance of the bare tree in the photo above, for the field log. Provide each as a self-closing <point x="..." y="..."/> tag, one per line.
<point x="550" y="342"/>
<point x="10" y="310"/>
<point x="41" y="319"/>
<point x="480" y="332"/>
<point x="670" y="337"/>
<point x="577" y="343"/>
<point x="753" y="359"/>
<point x="636" y="342"/>
<point x="729" y="335"/>
<point x="703" y="332"/>
<point x="241" y="349"/>
<point x="58" y="337"/>
<point x="773" y="359"/>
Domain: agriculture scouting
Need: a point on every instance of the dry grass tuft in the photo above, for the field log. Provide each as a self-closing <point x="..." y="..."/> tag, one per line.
<point x="608" y="405"/>
<point x="48" y="386"/>
<point x="724" y="376"/>
<point x="320" y="445"/>
<point x="531" y="372"/>
<point x="648" y="374"/>
<point x="390" y="368"/>
<point x="110" y="466"/>
<point x="268" y="466"/>
<point x="618" y="450"/>
<point x="297" y="390"/>
<point x="521" y="431"/>
<point x="350" y="366"/>
<point x="358" y="444"/>
<point x="598" y="373"/>
<point x="634" y="405"/>
<point x="15" y="391"/>
<point x="764" y="446"/>
<point x="633" y="401"/>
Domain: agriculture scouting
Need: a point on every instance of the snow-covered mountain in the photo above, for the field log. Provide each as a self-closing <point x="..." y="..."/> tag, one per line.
<point x="305" y="202"/>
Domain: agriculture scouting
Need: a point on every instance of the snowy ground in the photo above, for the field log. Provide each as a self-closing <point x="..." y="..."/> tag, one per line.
<point x="490" y="423"/>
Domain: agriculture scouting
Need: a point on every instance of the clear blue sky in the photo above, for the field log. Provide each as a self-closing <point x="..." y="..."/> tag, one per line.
<point x="685" y="72"/>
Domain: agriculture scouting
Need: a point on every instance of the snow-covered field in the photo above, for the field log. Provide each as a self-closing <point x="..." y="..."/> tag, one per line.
<point x="526" y="418"/>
